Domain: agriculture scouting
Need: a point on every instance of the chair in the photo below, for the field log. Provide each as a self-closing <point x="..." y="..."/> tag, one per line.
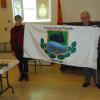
<point x="33" y="60"/>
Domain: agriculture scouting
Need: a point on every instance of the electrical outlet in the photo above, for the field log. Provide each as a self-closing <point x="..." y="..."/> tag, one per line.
<point x="5" y="29"/>
<point x="9" y="21"/>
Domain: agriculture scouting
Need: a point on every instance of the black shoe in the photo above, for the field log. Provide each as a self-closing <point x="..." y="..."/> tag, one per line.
<point x="27" y="78"/>
<point x="98" y="86"/>
<point x="86" y="84"/>
<point x="21" y="77"/>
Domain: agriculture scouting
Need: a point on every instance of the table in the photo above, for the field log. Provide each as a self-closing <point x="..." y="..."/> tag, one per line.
<point x="8" y="64"/>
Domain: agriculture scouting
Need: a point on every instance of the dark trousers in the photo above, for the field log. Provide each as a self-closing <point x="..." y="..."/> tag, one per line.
<point x="23" y="65"/>
<point x="23" y="62"/>
<point x="98" y="66"/>
<point x="89" y="72"/>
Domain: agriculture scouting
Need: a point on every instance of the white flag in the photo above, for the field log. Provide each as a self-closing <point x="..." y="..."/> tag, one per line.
<point x="70" y="45"/>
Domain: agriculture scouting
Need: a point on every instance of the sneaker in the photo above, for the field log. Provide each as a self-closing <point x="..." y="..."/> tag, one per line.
<point x="86" y="84"/>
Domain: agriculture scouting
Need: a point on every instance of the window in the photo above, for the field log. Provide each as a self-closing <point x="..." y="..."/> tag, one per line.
<point x="33" y="10"/>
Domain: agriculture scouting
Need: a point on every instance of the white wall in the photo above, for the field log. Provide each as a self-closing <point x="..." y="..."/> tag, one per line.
<point x="5" y="16"/>
<point x="71" y="9"/>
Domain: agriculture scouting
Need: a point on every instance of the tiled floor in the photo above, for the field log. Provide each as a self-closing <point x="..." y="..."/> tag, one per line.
<point x="50" y="84"/>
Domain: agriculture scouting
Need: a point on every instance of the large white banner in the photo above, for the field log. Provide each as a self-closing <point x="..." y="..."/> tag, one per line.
<point x="70" y="45"/>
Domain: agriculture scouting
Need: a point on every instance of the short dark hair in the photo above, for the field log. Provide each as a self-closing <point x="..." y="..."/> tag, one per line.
<point x="18" y="17"/>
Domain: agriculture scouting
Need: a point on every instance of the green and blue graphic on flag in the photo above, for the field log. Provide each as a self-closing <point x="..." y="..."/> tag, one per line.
<point x="57" y="44"/>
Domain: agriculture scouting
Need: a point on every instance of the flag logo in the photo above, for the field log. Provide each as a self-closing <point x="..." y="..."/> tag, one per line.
<point x="57" y="45"/>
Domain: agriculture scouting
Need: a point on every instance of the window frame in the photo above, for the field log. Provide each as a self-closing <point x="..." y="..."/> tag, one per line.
<point x="37" y="19"/>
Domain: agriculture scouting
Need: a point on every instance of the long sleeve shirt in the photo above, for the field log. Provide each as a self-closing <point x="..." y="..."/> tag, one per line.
<point x="16" y="40"/>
